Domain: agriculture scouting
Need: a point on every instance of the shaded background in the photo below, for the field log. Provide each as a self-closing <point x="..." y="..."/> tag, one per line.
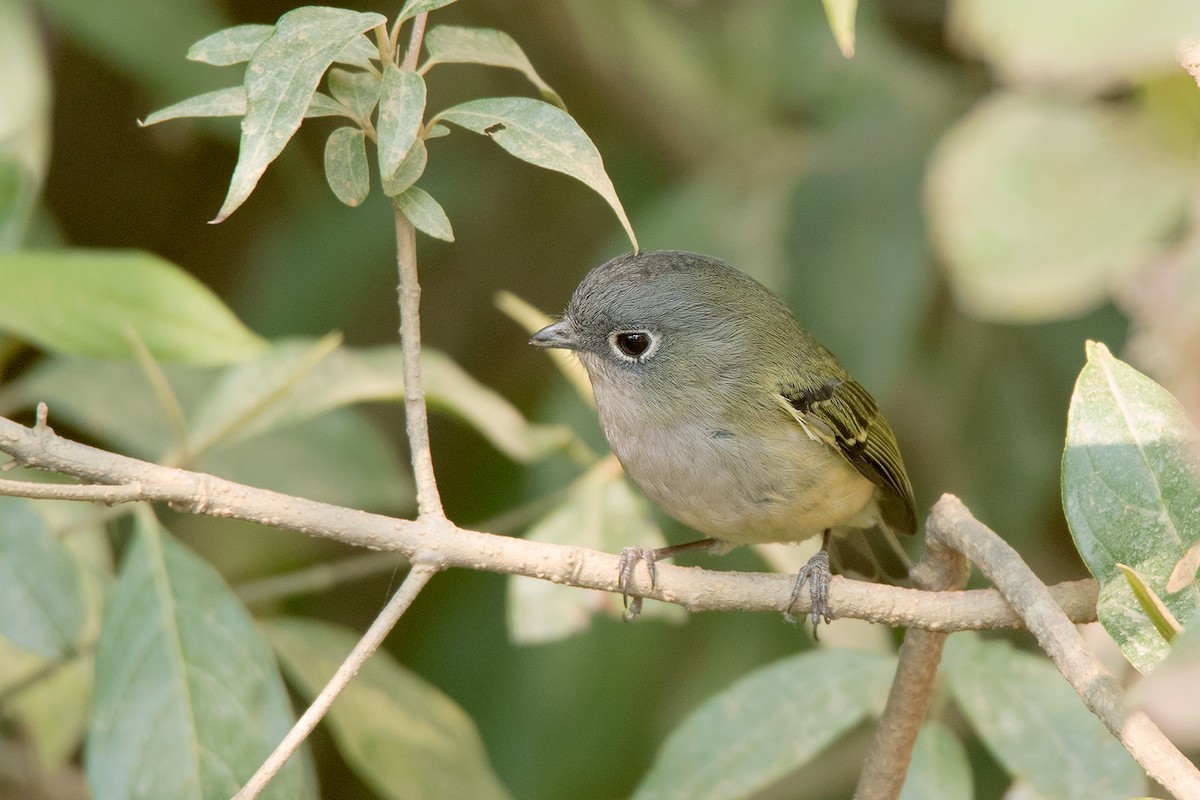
<point x="922" y="207"/>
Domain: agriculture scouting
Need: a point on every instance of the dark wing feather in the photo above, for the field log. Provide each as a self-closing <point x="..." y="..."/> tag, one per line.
<point x="841" y="412"/>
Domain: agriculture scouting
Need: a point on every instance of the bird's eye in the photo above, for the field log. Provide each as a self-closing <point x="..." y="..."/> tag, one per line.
<point x="636" y="345"/>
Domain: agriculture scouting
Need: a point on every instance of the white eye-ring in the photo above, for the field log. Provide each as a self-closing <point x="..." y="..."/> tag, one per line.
<point x="633" y="345"/>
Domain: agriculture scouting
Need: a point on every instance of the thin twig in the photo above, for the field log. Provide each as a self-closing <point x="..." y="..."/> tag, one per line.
<point x="954" y="525"/>
<point x="36" y="490"/>
<point x="318" y="577"/>
<point x="886" y="765"/>
<point x="367" y="645"/>
<point x="414" y="42"/>
<point x="429" y="502"/>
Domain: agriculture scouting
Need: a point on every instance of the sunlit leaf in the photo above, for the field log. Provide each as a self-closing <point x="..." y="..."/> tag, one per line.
<point x="230" y="46"/>
<point x="778" y="718"/>
<point x="24" y="120"/>
<point x="1039" y="204"/>
<point x="543" y="135"/>
<point x="189" y="700"/>
<point x="89" y="302"/>
<point x="939" y="769"/>
<point x="1130" y="480"/>
<point x="1162" y="618"/>
<point x="409" y="171"/>
<point x="433" y="749"/>
<point x="41" y="602"/>
<point x="346" y="165"/>
<point x="448" y="44"/>
<point x="840" y="14"/>
<point x="1006" y="694"/>
<point x="601" y="512"/>
<point x="280" y="80"/>
<point x="358" y="91"/>
<point x="401" y="110"/>
<point x="414" y="7"/>
<point x="425" y="213"/>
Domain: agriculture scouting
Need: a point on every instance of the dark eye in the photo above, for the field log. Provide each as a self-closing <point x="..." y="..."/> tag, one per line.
<point x="633" y="344"/>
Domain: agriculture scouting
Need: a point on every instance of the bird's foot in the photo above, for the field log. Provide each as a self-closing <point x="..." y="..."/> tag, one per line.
<point x="817" y="575"/>
<point x="630" y="556"/>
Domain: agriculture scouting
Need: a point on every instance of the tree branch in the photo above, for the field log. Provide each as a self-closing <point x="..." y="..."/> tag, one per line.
<point x="438" y="542"/>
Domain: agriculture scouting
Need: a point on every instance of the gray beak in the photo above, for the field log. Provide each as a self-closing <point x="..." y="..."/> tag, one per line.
<point x="560" y="334"/>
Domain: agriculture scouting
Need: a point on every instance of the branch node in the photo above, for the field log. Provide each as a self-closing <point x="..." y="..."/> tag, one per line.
<point x="39" y="425"/>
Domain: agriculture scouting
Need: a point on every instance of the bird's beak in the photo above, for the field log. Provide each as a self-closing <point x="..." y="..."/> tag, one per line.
<point x="561" y="334"/>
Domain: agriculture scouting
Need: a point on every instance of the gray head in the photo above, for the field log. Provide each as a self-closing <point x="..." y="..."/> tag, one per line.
<point x="670" y="321"/>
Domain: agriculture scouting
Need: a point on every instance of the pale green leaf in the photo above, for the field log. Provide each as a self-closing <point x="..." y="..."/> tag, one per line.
<point x="533" y="320"/>
<point x="414" y="7"/>
<point x="840" y="14"/>
<point x="41" y="602"/>
<point x="360" y="52"/>
<point x="1130" y="479"/>
<point x="409" y="171"/>
<point x="346" y="165"/>
<point x="401" y="109"/>
<point x="433" y="749"/>
<point x="24" y="120"/>
<point x="90" y="302"/>
<point x="543" y="135"/>
<point x="358" y="91"/>
<point x="1084" y="45"/>
<point x="322" y="105"/>
<point x="230" y="46"/>
<point x="452" y="44"/>
<point x="601" y="512"/>
<point x="53" y="713"/>
<point x="1006" y="694"/>
<point x="1038" y="204"/>
<point x="939" y="769"/>
<point x="769" y="723"/>
<point x="281" y="78"/>
<point x="425" y="213"/>
<point x="1163" y="620"/>
<point x="189" y="700"/>
<point x="231" y="102"/>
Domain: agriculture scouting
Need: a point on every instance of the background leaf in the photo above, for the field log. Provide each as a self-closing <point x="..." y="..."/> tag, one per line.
<point x="280" y="80"/>
<point x="767" y="724"/>
<point x="91" y="302"/>
<point x="188" y="698"/>
<point x="41" y="602"/>
<point x="24" y="120"/>
<point x="1130" y="480"/>
<point x="939" y="769"/>
<point x="1006" y="693"/>
<point x="433" y="748"/>
<point x="543" y="135"/>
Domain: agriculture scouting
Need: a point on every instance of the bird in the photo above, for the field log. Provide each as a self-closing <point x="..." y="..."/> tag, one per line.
<point x="728" y="414"/>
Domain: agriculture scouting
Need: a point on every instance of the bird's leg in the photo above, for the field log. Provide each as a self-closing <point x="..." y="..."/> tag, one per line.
<point x="816" y="574"/>
<point x="630" y="556"/>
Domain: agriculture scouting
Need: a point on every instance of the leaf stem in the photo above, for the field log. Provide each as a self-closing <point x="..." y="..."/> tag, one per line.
<point x="367" y="645"/>
<point x="414" y="42"/>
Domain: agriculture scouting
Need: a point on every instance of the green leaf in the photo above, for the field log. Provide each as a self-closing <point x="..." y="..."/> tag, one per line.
<point x="360" y="52"/>
<point x="840" y="14"/>
<point x="90" y="302"/>
<point x="322" y="105"/>
<point x="409" y="171"/>
<point x="1130" y="479"/>
<point x="543" y="135"/>
<point x="774" y="720"/>
<point x="424" y="213"/>
<point x="433" y="749"/>
<point x="346" y="165"/>
<point x="1076" y="45"/>
<point x="602" y="512"/>
<point x="1162" y="618"/>
<point x="41" y="602"/>
<point x="281" y="78"/>
<point x="414" y="7"/>
<point x="939" y="767"/>
<point x="358" y="91"/>
<point x="1037" y="203"/>
<point x="452" y="44"/>
<point x="189" y="700"/>
<point x="24" y="120"/>
<point x="230" y="46"/>
<point x="401" y="109"/>
<point x="1006" y="694"/>
<point x="53" y="713"/>
<point x="229" y="102"/>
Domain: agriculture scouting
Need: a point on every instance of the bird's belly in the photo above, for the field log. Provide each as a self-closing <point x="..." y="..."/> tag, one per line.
<point x="748" y="488"/>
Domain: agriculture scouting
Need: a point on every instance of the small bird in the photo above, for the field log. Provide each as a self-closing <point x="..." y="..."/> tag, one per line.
<point x="728" y="414"/>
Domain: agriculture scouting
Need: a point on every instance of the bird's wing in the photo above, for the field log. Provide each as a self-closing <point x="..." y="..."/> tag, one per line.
<point x="842" y="414"/>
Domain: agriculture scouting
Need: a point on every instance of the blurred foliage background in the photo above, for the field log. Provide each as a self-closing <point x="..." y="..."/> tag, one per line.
<point x="954" y="211"/>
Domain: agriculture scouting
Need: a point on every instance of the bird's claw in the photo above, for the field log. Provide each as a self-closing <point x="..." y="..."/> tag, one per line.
<point x="817" y="575"/>
<point x="630" y="556"/>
